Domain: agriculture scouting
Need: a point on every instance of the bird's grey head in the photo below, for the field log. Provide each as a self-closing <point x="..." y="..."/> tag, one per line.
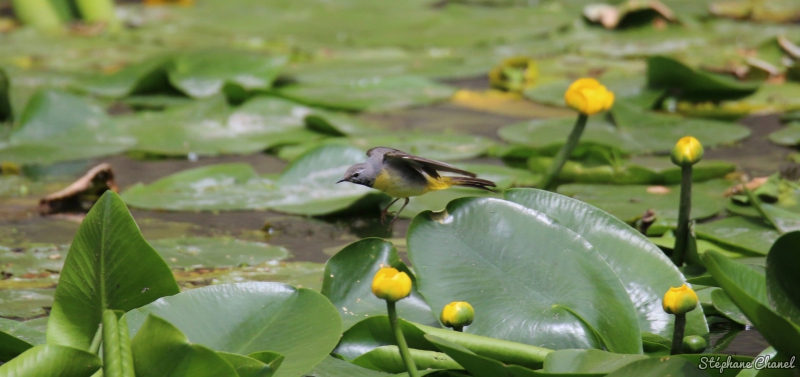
<point x="358" y="174"/>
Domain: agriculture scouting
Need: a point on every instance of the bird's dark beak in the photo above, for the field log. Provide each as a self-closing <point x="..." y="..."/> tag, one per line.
<point x="341" y="180"/>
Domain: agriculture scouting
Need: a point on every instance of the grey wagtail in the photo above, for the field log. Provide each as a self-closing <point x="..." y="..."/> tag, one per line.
<point x="402" y="175"/>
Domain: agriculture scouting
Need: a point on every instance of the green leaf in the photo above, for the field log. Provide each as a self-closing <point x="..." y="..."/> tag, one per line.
<point x="147" y="76"/>
<point x="725" y="306"/>
<point x="478" y="366"/>
<point x="564" y="281"/>
<point x="748" y="290"/>
<point x="160" y="349"/>
<point x="658" y="367"/>
<point x="374" y="332"/>
<point x="333" y="367"/>
<point x="306" y="186"/>
<point x="17" y="337"/>
<point x="247" y="366"/>
<point x="702" y="360"/>
<point x="25" y="303"/>
<point x="58" y="126"/>
<point x="299" y="323"/>
<point x="194" y="252"/>
<point x="739" y="233"/>
<point x="645" y="272"/>
<point x="774" y="356"/>
<point x="109" y="266"/>
<point x="639" y="170"/>
<point x="347" y="283"/>
<point x="783" y="282"/>
<point x="204" y="74"/>
<point x="693" y="84"/>
<point x="629" y="203"/>
<point x="369" y="93"/>
<point x="788" y="136"/>
<point x="52" y="361"/>
<point x="388" y="359"/>
<point x="586" y="361"/>
<point x="117" y="356"/>
<point x="645" y="136"/>
<point x="656" y="345"/>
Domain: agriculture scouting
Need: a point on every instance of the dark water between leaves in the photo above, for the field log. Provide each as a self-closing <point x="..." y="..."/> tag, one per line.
<point x="315" y="239"/>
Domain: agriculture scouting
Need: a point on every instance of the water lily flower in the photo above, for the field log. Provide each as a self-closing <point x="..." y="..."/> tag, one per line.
<point x="680" y="300"/>
<point x="687" y="151"/>
<point x="391" y="285"/>
<point x="457" y="314"/>
<point x="588" y="96"/>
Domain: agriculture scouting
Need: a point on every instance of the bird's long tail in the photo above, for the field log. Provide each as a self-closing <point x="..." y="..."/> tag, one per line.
<point x="471" y="182"/>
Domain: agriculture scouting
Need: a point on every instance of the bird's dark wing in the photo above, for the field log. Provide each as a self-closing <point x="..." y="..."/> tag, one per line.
<point x="430" y="167"/>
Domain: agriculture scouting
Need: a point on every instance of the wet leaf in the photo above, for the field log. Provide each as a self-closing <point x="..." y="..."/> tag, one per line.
<point x="503" y="285"/>
<point x="300" y="324"/>
<point x="644" y="270"/>
<point x="197" y="252"/>
<point x="307" y="186"/>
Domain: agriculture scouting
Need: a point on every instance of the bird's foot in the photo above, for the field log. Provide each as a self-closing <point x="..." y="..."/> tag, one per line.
<point x="384" y="213"/>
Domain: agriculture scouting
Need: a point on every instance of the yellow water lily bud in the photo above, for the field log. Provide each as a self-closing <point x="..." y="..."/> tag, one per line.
<point x="588" y="96"/>
<point x="514" y="74"/>
<point x="694" y="344"/>
<point x="391" y="285"/>
<point x="680" y="300"/>
<point x="688" y="151"/>
<point x="457" y="314"/>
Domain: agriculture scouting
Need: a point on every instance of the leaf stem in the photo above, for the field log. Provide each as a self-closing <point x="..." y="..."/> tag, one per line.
<point x="677" y="334"/>
<point x="756" y="203"/>
<point x="561" y="158"/>
<point x="98" y="337"/>
<point x="401" y="340"/>
<point x="684" y="210"/>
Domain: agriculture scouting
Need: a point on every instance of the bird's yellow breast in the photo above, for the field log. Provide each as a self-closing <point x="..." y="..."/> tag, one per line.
<point x="394" y="185"/>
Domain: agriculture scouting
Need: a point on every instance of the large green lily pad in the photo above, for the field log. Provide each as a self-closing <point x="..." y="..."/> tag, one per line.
<point x="206" y="73"/>
<point x="465" y="253"/>
<point x="739" y="233"/>
<point x="300" y="324"/>
<point x="642" y="267"/>
<point x="307" y="186"/>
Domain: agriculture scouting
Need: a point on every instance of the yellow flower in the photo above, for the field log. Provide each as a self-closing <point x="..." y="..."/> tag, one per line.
<point x="680" y="300"/>
<point x="391" y="285"/>
<point x="457" y="314"/>
<point x="588" y="96"/>
<point x="688" y="151"/>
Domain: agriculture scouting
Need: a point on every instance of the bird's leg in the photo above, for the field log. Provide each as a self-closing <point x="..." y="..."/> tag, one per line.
<point x="398" y="212"/>
<point x="383" y="212"/>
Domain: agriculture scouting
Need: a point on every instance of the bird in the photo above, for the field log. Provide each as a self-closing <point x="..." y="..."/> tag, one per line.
<point x="402" y="175"/>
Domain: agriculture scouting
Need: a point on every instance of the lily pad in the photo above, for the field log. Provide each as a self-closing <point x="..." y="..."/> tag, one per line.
<point x="723" y="303"/>
<point x="644" y="270"/>
<point x="504" y="285"/>
<point x="739" y="233"/>
<point x="300" y="324"/>
<point x="693" y="84"/>
<point x="204" y="74"/>
<point x="348" y="283"/>
<point x="57" y="126"/>
<point x="369" y="93"/>
<point x="333" y="367"/>
<point x="587" y="361"/>
<point x="25" y="303"/>
<point x="197" y="252"/>
<point x="148" y="76"/>
<point x="307" y="186"/>
<point x="782" y="287"/>
<point x="629" y="203"/>
<point x="646" y="136"/>
<point x="789" y="136"/>
<point x="17" y="337"/>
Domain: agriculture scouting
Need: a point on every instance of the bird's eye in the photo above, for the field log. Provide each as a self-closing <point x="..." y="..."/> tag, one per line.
<point x="355" y="175"/>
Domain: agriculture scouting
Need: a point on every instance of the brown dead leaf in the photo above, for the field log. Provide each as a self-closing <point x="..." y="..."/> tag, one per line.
<point x="658" y="190"/>
<point x="81" y="194"/>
